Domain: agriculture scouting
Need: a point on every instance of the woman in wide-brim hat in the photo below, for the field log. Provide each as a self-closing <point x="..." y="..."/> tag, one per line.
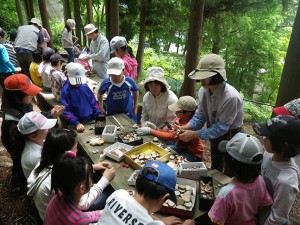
<point x="156" y="100"/>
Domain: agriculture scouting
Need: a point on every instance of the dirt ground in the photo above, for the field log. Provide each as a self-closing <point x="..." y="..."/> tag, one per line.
<point x="18" y="208"/>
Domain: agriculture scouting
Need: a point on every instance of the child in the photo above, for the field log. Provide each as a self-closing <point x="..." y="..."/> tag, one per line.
<point x="45" y="67"/>
<point x="185" y="109"/>
<point x="122" y="91"/>
<point x="34" y="68"/>
<point x="39" y="181"/>
<point x="33" y="128"/>
<point x="240" y="201"/>
<point x="155" y="184"/>
<point x="77" y="97"/>
<point x="19" y="92"/>
<point x="282" y="143"/>
<point x="71" y="178"/>
<point x="118" y="45"/>
<point x="56" y="77"/>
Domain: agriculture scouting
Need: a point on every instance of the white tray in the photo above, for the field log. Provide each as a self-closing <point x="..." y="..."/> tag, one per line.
<point x="115" y="147"/>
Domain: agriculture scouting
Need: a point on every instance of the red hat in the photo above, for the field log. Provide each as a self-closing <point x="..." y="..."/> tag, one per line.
<point x="20" y="82"/>
<point x="291" y="108"/>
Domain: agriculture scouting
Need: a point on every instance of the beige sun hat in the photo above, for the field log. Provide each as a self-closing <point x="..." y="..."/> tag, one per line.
<point x="155" y="74"/>
<point x="186" y="103"/>
<point x="90" y="28"/>
<point x="35" y="21"/>
<point x="71" y="23"/>
<point x="209" y="66"/>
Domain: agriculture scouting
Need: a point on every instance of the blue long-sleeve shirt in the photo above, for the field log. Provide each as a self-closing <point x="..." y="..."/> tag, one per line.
<point x="5" y="65"/>
<point x="80" y="102"/>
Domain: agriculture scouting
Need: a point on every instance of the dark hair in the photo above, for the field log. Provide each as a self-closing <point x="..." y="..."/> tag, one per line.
<point x="163" y="87"/>
<point x="244" y="172"/>
<point x="149" y="189"/>
<point x="12" y="36"/>
<point x="2" y="33"/>
<point x="57" y="142"/>
<point x="192" y="112"/>
<point x="14" y="98"/>
<point x="287" y="149"/>
<point x="47" y="53"/>
<point x="55" y="63"/>
<point x="68" y="172"/>
<point x="128" y="50"/>
<point x="68" y="28"/>
<point x="216" y="79"/>
<point x="37" y="56"/>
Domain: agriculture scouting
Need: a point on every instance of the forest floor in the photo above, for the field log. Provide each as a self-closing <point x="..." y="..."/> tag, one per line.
<point x="19" y="209"/>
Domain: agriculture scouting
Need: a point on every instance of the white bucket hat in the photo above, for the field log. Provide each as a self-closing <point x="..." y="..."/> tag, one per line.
<point x="90" y="28"/>
<point x="115" y="66"/>
<point x="76" y="73"/>
<point x="34" y="121"/>
<point x="71" y="23"/>
<point x="209" y="66"/>
<point x="186" y="103"/>
<point x="36" y="21"/>
<point x="155" y="74"/>
<point x="117" y="42"/>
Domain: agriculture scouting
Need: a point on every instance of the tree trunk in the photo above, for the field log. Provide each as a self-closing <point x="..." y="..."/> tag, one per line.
<point x="67" y="10"/>
<point x="289" y="84"/>
<point x="217" y="34"/>
<point x="45" y="20"/>
<point x="77" y="18"/>
<point x="29" y="9"/>
<point x="142" y="34"/>
<point x="107" y="11"/>
<point x="114" y="18"/>
<point x="89" y="9"/>
<point x="19" y="12"/>
<point x="193" y="45"/>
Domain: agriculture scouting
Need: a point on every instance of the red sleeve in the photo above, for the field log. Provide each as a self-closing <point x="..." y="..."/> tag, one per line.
<point x="166" y="135"/>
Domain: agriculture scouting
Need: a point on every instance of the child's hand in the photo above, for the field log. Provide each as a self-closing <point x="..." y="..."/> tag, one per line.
<point x="80" y="127"/>
<point x="109" y="173"/>
<point x="102" y="166"/>
<point x="189" y="222"/>
<point x="57" y="110"/>
<point x="103" y="112"/>
<point x="171" y="220"/>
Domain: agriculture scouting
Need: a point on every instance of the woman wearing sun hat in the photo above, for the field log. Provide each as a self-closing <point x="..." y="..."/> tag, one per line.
<point x="67" y="38"/>
<point x="156" y="100"/>
<point x="99" y="50"/>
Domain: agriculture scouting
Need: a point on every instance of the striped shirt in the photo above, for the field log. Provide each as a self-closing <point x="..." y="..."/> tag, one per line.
<point x="60" y="211"/>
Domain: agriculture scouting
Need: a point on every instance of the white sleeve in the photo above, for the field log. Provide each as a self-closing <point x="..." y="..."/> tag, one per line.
<point x="89" y="198"/>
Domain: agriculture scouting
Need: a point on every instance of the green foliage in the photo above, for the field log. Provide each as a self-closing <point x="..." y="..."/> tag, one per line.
<point x="56" y="29"/>
<point x="254" y="112"/>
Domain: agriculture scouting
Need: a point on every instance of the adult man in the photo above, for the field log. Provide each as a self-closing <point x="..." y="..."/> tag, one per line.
<point x="28" y="39"/>
<point x="220" y="106"/>
<point x="99" y="48"/>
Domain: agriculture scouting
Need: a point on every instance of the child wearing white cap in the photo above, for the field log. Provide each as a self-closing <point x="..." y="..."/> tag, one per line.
<point x="240" y="201"/>
<point x="184" y="108"/>
<point x="122" y="91"/>
<point x="78" y="98"/>
<point x="32" y="130"/>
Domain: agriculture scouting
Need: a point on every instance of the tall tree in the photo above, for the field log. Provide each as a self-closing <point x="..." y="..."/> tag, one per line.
<point x="67" y="10"/>
<point x="45" y="20"/>
<point x="108" y="19"/>
<point x="193" y="45"/>
<point x="89" y="9"/>
<point x="19" y="12"/>
<point x="77" y="18"/>
<point x="29" y="9"/>
<point x="114" y="18"/>
<point x="289" y="84"/>
<point x="143" y="17"/>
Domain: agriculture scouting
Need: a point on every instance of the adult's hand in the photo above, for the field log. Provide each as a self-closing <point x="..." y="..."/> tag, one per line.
<point x="57" y="110"/>
<point x="80" y="127"/>
<point x="188" y="135"/>
<point x="143" y="131"/>
<point x="151" y="125"/>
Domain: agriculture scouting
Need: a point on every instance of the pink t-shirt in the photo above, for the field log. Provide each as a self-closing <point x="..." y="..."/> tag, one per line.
<point x="130" y="67"/>
<point x="238" y="203"/>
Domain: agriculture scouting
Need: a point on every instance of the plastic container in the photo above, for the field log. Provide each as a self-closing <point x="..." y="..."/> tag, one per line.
<point x="113" y="151"/>
<point x="130" y="138"/>
<point x="109" y="133"/>
<point x="206" y="199"/>
<point x="100" y="123"/>
<point x="191" y="170"/>
<point x="132" y="179"/>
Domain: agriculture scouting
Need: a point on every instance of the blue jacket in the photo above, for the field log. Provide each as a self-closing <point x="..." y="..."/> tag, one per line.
<point x="80" y="102"/>
<point x="5" y="65"/>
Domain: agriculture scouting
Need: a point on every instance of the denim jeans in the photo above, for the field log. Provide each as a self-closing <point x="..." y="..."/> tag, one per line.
<point x="70" y="54"/>
<point x="185" y="154"/>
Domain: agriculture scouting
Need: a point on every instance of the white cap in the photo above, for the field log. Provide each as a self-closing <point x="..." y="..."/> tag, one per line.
<point x="34" y="121"/>
<point x="90" y="28"/>
<point x="76" y="73"/>
<point x="71" y="24"/>
<point x="186" y="103"/>
<point x="115" y="66"/>
<point x="36" y="21"/>
<point x="117" y="42"/>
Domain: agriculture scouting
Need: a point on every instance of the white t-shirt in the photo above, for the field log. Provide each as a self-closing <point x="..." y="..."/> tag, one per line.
<point x="31" y="155"/>
<point x="44" y="70"/>
<point x="121" y="208"/>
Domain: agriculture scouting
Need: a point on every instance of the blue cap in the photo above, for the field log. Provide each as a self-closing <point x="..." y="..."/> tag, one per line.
<point x="166" y="176"/>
